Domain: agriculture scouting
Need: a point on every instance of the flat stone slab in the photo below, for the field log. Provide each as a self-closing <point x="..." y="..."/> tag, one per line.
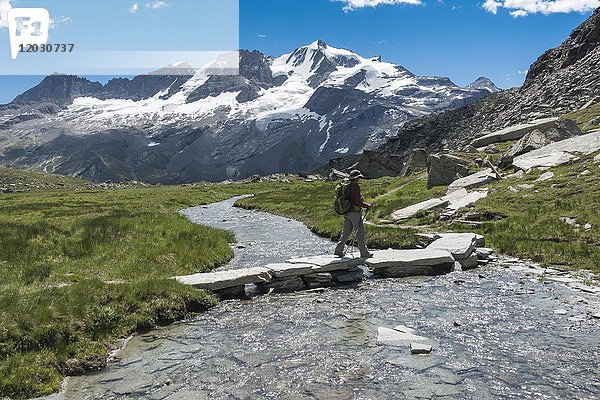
<point x="408" y="258"/>
<point x="460" y="245"/>
<point x="226" y="279"/>
<point x="563" y="279"/>
<point x="326" y="260"/>
<point x="454" y="200"/>
<point x="559" y="153"/>
<point x="467" y="199"/>
<point x="420" y="348"/>
<point x="283" y="270"/>
<point x="392" y="337"/>
<point x="475" y="180"/>
<point x="545" y="176"/>
<point x="513" y="132"/>
<point x="410" y="211"/>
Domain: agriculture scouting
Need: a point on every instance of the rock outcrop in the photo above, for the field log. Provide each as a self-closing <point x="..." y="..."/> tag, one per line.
<point x="444" y="169"/>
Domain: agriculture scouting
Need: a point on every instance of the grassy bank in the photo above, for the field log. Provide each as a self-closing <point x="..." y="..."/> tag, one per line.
<point x="83" y="268"/>
<point x="312" y="204"/>
<point x="588" y="119"/>
<point x="527" y="221"/>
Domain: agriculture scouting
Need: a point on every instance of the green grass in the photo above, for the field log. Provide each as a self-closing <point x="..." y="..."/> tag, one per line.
<point x="587" y="119"/>
<point x="81" y="269"/>
<point x="530" y="224"/>
<point x="18" y="180"/>
<point x="312" y="204"/>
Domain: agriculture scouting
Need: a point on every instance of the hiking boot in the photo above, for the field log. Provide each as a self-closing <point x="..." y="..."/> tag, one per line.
<point x="367" y="255"/>
<point x="340" y="255"/>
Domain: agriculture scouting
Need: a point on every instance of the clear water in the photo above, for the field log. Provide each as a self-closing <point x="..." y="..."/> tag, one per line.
<point x="498" y="335"/>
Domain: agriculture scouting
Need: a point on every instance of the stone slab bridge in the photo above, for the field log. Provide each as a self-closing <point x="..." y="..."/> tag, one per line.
<point x="448" y="252"/>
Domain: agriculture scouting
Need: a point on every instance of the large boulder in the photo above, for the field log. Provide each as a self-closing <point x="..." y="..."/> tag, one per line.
<point x="532" y="141"/>
<point x="513" y="132"/>
<point x="559" y="153"/>
<point x="472" y="181"/>
<point x="416" y="161"/>
<point x="538" y="138"/>
<point x="443" y="169"/>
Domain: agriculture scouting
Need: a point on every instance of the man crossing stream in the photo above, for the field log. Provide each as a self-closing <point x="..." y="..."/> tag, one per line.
<point x="353" y="220"/>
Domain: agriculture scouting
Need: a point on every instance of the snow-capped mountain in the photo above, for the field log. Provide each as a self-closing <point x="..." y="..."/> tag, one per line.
<point x="483" y="83"/>
<point x="285" y="114"/>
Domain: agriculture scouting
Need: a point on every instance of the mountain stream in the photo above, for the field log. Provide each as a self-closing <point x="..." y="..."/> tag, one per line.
<point x="504" y="331"/>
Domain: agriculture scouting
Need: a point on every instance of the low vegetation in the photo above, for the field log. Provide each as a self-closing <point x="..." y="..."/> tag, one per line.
<point x="588" y="119"/>
<point x="82" y="268"/>
<point x="526" y="222"/>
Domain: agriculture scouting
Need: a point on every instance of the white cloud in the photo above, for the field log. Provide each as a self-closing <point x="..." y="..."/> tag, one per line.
<point x="522" y="8"/>
<point x="492" y="6"/>
<point x="518" y="13"/>
<point x="352" y="5"/>
<point x="262" y="35"/>
<point x="155" y="5"/>
<point x="134" y="7"/>
<point x="4" y="7"/>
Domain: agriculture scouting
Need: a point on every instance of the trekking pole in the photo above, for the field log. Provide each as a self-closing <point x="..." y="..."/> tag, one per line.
<point x="355" y="233"/>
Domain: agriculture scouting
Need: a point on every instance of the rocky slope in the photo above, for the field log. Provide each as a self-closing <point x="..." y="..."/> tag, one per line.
<point x="563" y="79"/>
<point x="285" y="114"/>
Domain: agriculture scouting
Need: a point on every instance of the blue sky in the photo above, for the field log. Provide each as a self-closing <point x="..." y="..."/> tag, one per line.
<point x="459" y="39"/>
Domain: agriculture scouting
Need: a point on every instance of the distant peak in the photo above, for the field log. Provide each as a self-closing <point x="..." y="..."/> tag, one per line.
<point x="483" y="83"/>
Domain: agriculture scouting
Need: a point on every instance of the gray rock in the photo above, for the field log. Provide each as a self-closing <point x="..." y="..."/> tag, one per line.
<point x="387" y="336"/>
<point x="420" y="348"/>
<point x="514" y="132"/>
<point x="491" y="149"/>
<point x="470" y="262"/>
<point x="409" y="258"/>
<point x="318" y="280"/>
<point x="325" y="260"/>
<point x="483" y="253"/>
<point x="416" y="161"/>
<point x="460" y="245"/>
<point x="226" y="279"/>
<point x="570" y="221"/>
<point x="282" y="270"/>
<point x="559" y="153"/>
<point x="474" y="180"/>
<point x="444" y="169"/>
<point x="234" y="292"/>
<point x="545" y="176"/>
<point x="587" y="227"/>
<point x="354" y="274"/>
<point x="410" y="211"/>
<point x="417" y="270"/>
<point x="531" y="141"/>
<point x="290" y="284"/>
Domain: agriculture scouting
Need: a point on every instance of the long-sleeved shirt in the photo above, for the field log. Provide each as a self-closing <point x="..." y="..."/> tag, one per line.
<point x="356" y="196"/>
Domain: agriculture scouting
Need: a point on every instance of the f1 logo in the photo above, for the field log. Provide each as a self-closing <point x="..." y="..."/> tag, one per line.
<point x="27" y="26"/>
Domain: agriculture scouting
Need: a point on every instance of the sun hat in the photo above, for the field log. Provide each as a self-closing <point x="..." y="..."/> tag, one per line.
<point x="355" y="174"/>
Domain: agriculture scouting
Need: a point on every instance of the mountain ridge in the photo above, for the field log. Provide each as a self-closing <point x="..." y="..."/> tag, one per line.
<point x="280" y="114"/>
<point x="562" y="80"/>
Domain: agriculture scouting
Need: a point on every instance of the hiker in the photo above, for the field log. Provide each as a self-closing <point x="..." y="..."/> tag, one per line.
<point x="353" y="218"/>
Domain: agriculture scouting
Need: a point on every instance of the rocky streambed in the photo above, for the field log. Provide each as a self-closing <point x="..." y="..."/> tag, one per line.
<point x="507" y="330"/>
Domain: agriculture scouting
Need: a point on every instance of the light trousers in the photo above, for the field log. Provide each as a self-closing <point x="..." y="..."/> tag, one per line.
<point x="352" y="221"/>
